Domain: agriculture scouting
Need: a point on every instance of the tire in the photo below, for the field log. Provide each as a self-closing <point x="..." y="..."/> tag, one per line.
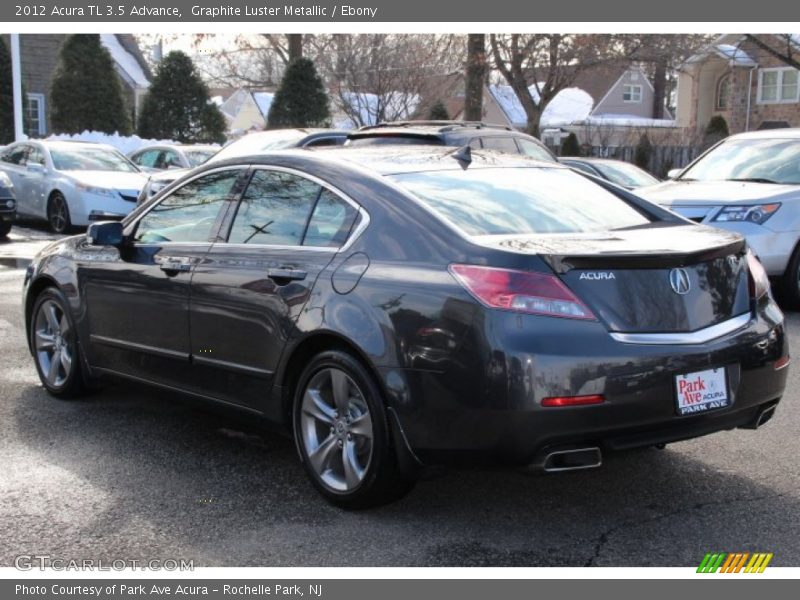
<point x="342" y="434"/>
<point x="790" y="282"/>
<point x="58" y="213"/>
<point x="5" y="228"/>
<point x="56" y="351"/>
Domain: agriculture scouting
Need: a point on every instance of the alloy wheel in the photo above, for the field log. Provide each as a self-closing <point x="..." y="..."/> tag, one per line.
<point x="336" y="429"/>
<point x="53" y="344"/>
<point x="58" y="214"/>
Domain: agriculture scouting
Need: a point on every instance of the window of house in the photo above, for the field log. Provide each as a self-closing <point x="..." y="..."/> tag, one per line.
<point x="34" y="115"/>
<point x="778" y="85"/>
<point x="723" y="92"/>
<point x="632" y="93"/>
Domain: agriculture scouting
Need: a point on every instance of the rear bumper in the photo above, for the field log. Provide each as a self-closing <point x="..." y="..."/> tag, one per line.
<point x="485" y="406"/>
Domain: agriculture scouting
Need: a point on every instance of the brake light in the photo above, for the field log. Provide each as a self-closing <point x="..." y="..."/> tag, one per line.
<point x="758" y="280"/>
<point x="556" y="401"/>
<point x="521" y="291"/>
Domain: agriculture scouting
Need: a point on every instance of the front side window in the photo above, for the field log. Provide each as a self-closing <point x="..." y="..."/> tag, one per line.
<point x="502" y="201"/>
<point x="632" y="93"/>
<point x="778" y="86"/>
<point x="190" y="212"/>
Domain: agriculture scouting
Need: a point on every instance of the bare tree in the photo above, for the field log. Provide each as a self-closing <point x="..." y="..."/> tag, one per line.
<point x="475" y="72"/>
<point x="539" y="66"/>
<point x="787" y="50"/>
<point x="387" y="77"/>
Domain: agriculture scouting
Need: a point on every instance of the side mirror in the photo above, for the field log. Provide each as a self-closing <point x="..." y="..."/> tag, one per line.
<point x="105" y="233"/>
<point x="673" y="173"/>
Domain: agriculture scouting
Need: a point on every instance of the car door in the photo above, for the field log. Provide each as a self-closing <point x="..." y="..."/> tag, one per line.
<point x="249" y="290"/>
<point x="36" y="175"/>
<point x="138" y="295"/>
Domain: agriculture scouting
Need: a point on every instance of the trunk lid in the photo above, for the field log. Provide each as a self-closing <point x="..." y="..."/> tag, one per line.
<point x="659" y="278"/>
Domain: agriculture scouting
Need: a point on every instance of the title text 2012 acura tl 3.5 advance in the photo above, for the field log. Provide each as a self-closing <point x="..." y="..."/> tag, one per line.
<point x="398" y="307"/>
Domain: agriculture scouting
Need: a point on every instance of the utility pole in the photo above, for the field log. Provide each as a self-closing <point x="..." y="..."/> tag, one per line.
<point x="16" y="82"/>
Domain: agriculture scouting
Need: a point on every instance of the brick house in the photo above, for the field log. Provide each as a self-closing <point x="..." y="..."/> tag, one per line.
<point x="39" y="55"/>
<point x="737" y="79"/>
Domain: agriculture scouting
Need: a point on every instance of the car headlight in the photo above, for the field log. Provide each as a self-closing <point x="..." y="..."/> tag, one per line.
<point x="755" y="213"/>
<point x="89" y="189"/>
<point x="10" y="204"/>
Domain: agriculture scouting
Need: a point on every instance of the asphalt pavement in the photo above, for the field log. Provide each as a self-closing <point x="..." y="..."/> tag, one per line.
<point x="135" y="474"/>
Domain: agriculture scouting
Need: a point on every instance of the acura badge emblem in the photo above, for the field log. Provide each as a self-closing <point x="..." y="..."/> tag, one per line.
<point x="679" y="280"/>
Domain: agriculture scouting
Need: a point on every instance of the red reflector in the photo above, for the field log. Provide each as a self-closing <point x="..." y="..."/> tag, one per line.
<point x="573" y="400"/>
<point x="782" y="363"/>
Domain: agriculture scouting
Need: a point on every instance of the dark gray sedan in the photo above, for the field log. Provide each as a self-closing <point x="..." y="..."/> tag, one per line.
<point x="399" y="307"/>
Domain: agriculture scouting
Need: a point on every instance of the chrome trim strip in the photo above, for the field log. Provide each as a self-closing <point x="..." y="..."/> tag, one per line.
<point x="142" y="348"/>
<point x="701" y="336"/>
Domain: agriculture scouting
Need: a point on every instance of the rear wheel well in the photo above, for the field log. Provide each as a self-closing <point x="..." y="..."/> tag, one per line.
<point x="309" y="348"/>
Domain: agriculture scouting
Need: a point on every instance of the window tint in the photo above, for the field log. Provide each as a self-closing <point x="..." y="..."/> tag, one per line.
<point x="274" y="210"/>
<point x="520" y="200"/>
<point x="325" y="141"/>
<point x="188" y="214"/>
<point x="331" y="222"/>
<point x="501" y="144"/>
<point x="15" y="155"/>
<point x="534" y="150"/>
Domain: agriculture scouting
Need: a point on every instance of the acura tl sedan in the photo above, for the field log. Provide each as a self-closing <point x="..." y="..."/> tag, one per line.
<point x="400" y="307"/>
<point x="749" y="183"/>
<point x="71" y="183"/>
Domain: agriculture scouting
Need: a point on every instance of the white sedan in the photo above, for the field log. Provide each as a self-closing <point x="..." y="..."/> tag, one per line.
<point x="71" y="183"/>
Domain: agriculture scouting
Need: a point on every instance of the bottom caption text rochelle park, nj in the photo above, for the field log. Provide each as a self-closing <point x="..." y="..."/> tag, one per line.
<point x="242" y="590"/>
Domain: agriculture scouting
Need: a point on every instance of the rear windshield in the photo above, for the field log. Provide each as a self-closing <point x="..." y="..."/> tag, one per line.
<point x="498" y="201"/>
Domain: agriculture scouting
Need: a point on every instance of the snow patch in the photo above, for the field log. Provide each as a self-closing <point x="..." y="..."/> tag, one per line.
<point x="568" y="106"/>
<point x="397" y="106"/>
<point x="124" y="143"/>
<point x="125" y="60"/>
<point x="611" y="119"/>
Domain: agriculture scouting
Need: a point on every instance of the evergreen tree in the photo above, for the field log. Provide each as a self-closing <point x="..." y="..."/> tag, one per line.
<point x="643" y="152"/>
<point x="6" y="96"/>
<point x="85" y="92"/>
<point x="438" y="112"/>
<point x="301" y="100"/>
<point x="570" y="146"/>
<point x="177" y="106"/>
<point x="716" y="130"/>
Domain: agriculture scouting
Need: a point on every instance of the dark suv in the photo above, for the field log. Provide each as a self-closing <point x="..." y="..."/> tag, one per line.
<point x="8" y="204"/>
<point x="474" y="134"/>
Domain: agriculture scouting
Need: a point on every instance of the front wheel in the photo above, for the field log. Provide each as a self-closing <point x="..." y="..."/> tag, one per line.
<point x="342" y="434"/>
<point x="58" y="213"/>
<point x="54" y="340"/>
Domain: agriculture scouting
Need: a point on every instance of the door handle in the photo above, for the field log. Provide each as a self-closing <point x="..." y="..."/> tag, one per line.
<point x="174" y="265"/>
<point x="286" y="274"/>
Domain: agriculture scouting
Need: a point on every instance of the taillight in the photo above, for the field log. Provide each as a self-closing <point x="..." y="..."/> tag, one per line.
<point x="759" y="282"/>
<point x="521" y="291"/>
<point x="559" y="401"/>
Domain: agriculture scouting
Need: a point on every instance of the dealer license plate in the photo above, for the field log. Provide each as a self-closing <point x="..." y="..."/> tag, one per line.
<point x="701" y="391"/>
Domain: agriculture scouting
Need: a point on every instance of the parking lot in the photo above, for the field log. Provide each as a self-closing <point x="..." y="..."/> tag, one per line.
<point x="133" y="473"/>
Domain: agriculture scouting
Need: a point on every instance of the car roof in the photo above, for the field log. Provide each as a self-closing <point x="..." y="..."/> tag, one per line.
<point x="784" y="133"/>
<point x="69" y="144"/>
<point x="394" y="159"/>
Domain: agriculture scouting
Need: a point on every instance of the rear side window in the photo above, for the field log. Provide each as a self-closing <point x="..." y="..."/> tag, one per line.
<point x="274" y="210"/>
<point x="534" y="150"/>
<point x="283" y="209"/>
<point x="497" y="201"/>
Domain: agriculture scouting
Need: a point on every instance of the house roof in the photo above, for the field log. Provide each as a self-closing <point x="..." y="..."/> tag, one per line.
<point x="569" y="105"/>
<point x="129" y="59"/>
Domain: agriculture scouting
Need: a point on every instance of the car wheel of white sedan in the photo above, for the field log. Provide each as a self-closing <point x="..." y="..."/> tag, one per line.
<point x="58" y="213"/>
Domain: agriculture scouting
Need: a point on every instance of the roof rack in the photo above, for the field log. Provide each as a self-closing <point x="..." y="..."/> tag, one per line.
<point x="443" y="125"/>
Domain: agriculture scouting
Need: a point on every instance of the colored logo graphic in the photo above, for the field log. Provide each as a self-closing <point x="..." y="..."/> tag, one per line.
<point x="735" y="562"/>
